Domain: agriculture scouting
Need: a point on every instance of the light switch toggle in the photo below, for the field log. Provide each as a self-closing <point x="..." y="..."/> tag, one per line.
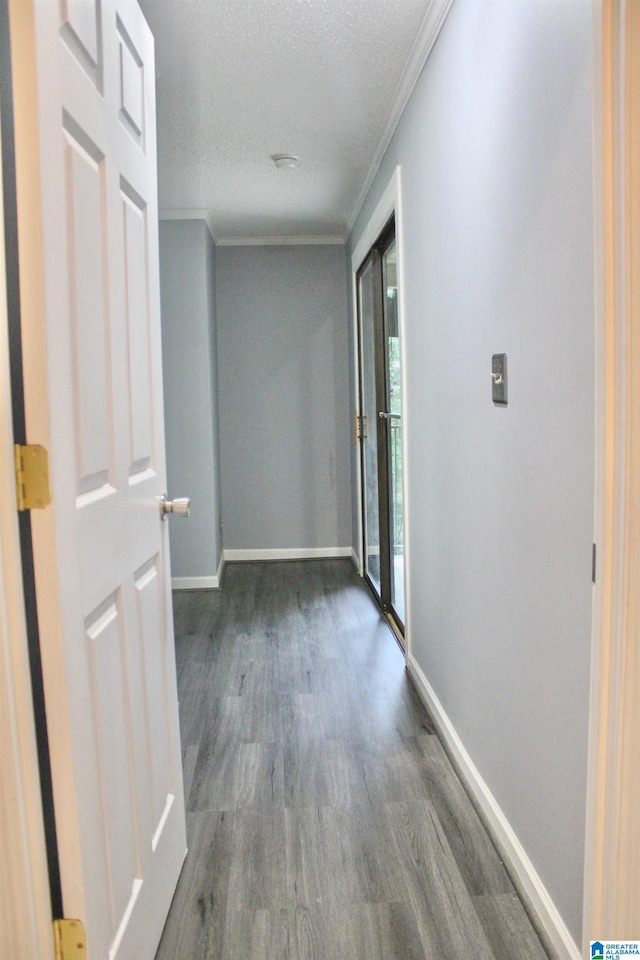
<point x="499" y="378"/>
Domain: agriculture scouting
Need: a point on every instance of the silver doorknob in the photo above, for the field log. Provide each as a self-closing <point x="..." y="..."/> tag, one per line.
<point x="181" y="506"/>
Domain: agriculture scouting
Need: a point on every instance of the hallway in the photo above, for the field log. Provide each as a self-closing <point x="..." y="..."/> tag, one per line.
<point x="324" y="819"/>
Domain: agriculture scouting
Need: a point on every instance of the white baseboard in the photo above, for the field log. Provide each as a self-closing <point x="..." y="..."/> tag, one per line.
<point x="303" y="553"/>
<point x="220" y="572"/>
<point x="200" y="583"/>
<point x="523" y="871"/>
<point x="194" y="583"/>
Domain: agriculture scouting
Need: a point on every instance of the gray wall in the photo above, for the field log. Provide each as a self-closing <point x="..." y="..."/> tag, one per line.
<point x="284" y="397"/>
<point x="187" y="264"/>
<point x="495" y="147"/>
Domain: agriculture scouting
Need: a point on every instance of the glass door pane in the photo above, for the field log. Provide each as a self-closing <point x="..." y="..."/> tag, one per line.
<point x="368" y="415"/>
<point x="381" y="426"/>
<point x="393" y="377"/>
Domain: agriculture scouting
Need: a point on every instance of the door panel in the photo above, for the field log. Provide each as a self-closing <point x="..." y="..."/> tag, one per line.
<point x="93" y="396"/>
<point x="80" y="27"/>
<point x="137" y="314"/>
<point x="149" y="609"/>
<point x="88" y="265"/>
<point x="106" y="641"/>
<point x="132" y="86"/>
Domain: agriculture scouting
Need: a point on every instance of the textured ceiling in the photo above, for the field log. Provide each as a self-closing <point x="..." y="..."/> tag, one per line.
<point x="240" y="80"/>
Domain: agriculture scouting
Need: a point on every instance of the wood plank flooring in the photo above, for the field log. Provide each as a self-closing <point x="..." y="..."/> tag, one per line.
<point x="325" y="821"/>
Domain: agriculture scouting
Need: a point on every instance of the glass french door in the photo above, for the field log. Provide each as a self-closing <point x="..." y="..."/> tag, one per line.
<point x="381" y="425"/>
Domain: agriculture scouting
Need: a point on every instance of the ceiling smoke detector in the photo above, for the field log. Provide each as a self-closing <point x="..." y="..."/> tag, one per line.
<point x="284" y="161"/>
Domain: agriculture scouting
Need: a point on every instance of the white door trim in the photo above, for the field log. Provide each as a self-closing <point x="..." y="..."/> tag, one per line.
<point x="390" y="204"/>
<point x="612" y="875"/>
<point x="25" y="908"/>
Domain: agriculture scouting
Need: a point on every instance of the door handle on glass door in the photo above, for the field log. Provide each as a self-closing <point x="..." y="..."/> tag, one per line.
<point x="180" y="507"/>
<point x="389" y="416"/>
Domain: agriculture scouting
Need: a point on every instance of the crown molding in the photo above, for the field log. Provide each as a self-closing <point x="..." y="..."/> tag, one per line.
<point x="427" y="35"/>
<point x="190" y="214"/>
<point x="280" y="241"/>
<point x="270" y="241"/>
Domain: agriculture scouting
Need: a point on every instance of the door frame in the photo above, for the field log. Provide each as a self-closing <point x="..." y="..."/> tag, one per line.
<point x="25" y="913"/>
<point x="388" y="206"/>
<point x="379" y="428"/>
<point x="612" y="863"/>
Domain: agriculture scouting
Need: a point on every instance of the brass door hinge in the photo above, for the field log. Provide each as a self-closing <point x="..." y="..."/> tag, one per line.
<point x="32" y="477"/>
<point x="69" y="940"/>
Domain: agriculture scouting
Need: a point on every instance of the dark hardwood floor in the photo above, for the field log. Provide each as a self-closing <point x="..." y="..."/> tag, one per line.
<point x="325" y="821"/>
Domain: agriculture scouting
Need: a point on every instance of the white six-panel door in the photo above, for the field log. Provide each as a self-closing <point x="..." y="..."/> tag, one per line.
<point x="85" y="143"/>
